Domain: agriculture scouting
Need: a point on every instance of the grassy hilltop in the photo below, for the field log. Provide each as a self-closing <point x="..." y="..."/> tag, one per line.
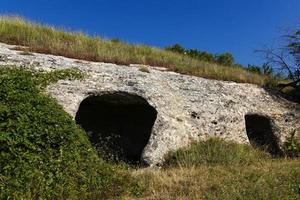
<point x="45" y="155"/>
<point x="45" y="39"/>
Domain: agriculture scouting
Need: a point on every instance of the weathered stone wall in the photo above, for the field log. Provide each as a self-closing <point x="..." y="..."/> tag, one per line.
<point x="189" y="108"/>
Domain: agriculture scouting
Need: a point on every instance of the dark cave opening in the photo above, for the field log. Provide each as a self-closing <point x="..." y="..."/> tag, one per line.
<point x="261" y="134"/>
<point x="118" y="124"/>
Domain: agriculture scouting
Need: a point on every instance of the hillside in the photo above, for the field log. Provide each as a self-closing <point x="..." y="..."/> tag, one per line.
<point x="79" y="120"/>
<point x="178" y="108"/>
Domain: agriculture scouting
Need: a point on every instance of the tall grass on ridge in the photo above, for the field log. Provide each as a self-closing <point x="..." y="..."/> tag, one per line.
<point x="45" y="39"/>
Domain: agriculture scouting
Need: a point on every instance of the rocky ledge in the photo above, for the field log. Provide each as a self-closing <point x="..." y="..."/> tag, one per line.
<point x="178" y="109"/>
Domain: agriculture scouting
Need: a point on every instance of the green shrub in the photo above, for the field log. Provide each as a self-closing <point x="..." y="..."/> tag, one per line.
<point x="44" y="155"/>
<point x="292" y="146"/>
<point x="176" y="48"/>
<point x="225" y="59"/>
<point x="215" y="151"/>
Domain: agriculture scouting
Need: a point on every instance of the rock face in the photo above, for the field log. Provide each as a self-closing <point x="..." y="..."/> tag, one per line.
<point x="188" y="108"/>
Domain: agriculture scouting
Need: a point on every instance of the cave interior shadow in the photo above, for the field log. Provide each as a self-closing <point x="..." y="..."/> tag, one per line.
<point x="119" y="125"/>
<point x="260" y="133"/>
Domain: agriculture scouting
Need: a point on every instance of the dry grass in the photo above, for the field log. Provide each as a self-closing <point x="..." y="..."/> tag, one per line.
<point x="274" y="179"/>
<point x="216" y="169"/>
<point x="45" y="39"/>
<point x="26" y="53"/>
<point x="144" y="68"/>
<point x="215" y="151"/>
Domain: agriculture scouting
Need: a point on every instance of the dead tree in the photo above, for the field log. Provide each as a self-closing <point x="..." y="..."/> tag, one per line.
<point x="286" y="59"/>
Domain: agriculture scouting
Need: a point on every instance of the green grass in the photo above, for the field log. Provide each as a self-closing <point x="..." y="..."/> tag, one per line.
<point x="45" y="39"/>
<point x="44" y="155"/>
<point x="215" y="151"/>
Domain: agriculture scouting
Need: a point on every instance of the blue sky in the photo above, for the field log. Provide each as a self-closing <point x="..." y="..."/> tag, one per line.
<point x="236" y="26"/>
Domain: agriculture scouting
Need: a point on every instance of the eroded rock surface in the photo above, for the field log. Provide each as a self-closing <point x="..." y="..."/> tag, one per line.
<point x="188" y="108"/>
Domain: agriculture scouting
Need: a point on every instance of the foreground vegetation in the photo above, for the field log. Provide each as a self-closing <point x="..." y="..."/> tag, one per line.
<point x="268" y="179"/>
<point x="216" y="169"/>
<point x="44" y="155"/>
<point x="46" y="39"/>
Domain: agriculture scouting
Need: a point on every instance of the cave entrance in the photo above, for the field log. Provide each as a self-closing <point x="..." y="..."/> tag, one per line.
<point x="260" y="133"/>
<point x="118" y="124"/>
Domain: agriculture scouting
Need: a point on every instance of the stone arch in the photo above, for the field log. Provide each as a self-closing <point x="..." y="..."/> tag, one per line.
<point x="261" y="133"/>
<point x="119" y="124"/>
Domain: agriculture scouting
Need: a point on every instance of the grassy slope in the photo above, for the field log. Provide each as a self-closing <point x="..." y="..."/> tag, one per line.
<point x="222" y="170"/>
<point x="278" y="179"/>
<point x="46" y="39"/>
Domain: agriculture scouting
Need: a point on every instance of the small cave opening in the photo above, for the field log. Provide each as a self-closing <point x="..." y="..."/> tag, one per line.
<point x="118" y="124"/>
<point x="260" y="132"/>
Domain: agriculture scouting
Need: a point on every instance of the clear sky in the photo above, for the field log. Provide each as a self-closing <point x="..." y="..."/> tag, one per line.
<point x="236" y="26"/>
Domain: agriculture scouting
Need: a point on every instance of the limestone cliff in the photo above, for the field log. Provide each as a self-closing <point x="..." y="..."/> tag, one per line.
<point x="187" y="108"/>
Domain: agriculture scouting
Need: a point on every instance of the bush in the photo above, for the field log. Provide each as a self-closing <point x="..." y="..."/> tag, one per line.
<point x="44" y="155"/>
<point x="176" y="48"/>
<point x="225" y="59"/>
<point x="215" y="151"/>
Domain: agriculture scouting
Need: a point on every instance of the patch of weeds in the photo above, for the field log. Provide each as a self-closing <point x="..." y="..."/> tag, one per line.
<point x="144" y="68"/>
<point x="45" y="78"/>
<point x="19" y="48"/>
<point x="23" y="50"/>
<point x="26" y="53"/>
<point x="292" y="145"/>
<point x="215" y="151"/>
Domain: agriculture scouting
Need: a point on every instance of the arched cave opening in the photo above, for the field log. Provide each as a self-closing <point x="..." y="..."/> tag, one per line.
<point x="118" y="124"/>
<point x="261" y="134"/>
